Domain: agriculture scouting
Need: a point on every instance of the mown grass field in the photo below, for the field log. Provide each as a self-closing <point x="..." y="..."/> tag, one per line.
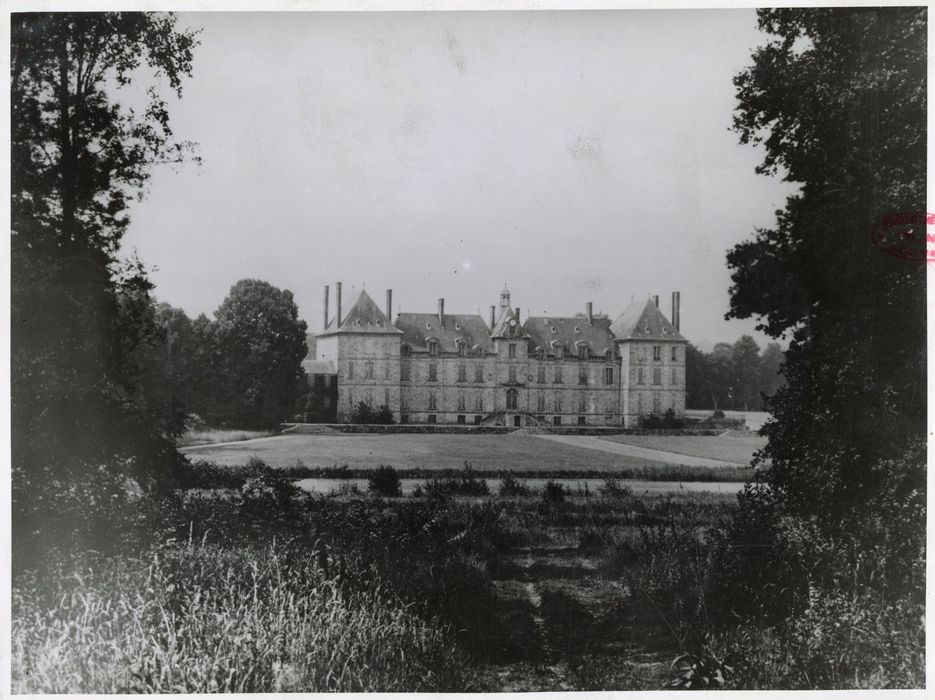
<point x="409" y="451"/>
<point x="734" y="447"/>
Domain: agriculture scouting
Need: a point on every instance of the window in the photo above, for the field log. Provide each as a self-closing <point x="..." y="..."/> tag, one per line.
<point x="404" y="372"/>
<point x="657" y="375"/>
<point x="675" y="353"/>
<point x="460" y="400"/>
<point x="657" y="352"/>
<point x="461" y="352"/>
<point x="479" y="403"/>
<point x="511" y="399"/>
<point x="559" y="352"/>
<point x="581" y="420"/>
<point x="657" y="402"/>
<point x="479" y="373"/>
<point x="675" y="376"/>
<point x="386" y="397"/>
<point x="558" y="376"/>
<point x="432" y="402"/>
<point x="350" y="369"/>
<point x="541" y="375"/>
<point x="369" y="397"/>
<point x="556" y="420"/>
<point x="369" y="367"/>
<point x="461" y="420"/>
<point x="478" y="419"/>
<point x="541" y="402"/>
<point x="462" y="372"/>
<point x="433" y="347"/>
<point x="583" y="375"/>
<point x="404" y="351"/>
<point x="511" y="352"/>
<point x="582" y="403"/>
<point x="433" y="372"/>
<point x="432" y="418"/>
<point x="558" y="402"/>
<point x="512" y="373"/>
<point x="350" y="398"/>
<point x="639" y="376"/>
<point x="583" y="352"/>
<point x="403" y="403"/>
<point x="403" y="417"/>
<point x="386" y="370"/>
<point x="608" y="375"/>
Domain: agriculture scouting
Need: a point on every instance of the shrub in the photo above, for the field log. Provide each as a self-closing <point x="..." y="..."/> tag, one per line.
<point x="553" y="492"/>
<point x="467" y="483"/>
<point x="385" y="482"/>
<point x="364" y="414"/>
<point x="613" y="488"/>
<point x="510" y="486"/>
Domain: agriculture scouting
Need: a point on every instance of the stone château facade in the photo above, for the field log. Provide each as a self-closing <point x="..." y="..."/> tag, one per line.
<point x="456" y="368"/>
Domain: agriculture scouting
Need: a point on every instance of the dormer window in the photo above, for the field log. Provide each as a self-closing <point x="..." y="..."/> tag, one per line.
<point x="404" y="351"/>
<point x="583" y="352"/>
<point x="609" y="354"/>
<point x="433" y="347"/>
<point x="462" y="348"/>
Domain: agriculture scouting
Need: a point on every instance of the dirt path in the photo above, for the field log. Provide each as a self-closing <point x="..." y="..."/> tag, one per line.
<point x="596" y="443"/>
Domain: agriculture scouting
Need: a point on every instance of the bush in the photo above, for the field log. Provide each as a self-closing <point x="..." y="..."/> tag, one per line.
<point x="553" y="492"/>
<point x="613" y="488"/>
<point x="510" y="486"/>
<point x="364" y="414"/>
<point x="385" y="482"/>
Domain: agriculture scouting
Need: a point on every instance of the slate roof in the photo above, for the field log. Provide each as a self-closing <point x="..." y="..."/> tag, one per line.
<point x="418" y="328"/>
<point x="363" y="317"/>
<point x="551" y="331"/>
<point x="642" y="320"/>
<point x="318" y="367"/>
<point x="501" y="328"/>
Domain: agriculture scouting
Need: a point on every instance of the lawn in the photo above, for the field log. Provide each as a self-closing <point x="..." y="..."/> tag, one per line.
<point x="734" y="447"/>
<point x="408" y="451"/>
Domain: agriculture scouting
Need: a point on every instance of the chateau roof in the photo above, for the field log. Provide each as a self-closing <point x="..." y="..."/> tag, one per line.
<point x="364" y="317"/>
<point x="569" y="332"/>
<point x="642" y="320"/>
<point x="318" y="367"/>
<point x="418" y="328"/>
<point x="501" y="327"/>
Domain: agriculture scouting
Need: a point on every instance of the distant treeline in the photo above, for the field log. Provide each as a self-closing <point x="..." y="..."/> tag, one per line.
<point x="734" y="376"/>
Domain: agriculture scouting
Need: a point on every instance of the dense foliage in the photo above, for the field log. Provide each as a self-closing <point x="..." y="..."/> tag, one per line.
<point x="734" y="377"/>
<point x="838" y="100"/>
<point x="81" y="410"/>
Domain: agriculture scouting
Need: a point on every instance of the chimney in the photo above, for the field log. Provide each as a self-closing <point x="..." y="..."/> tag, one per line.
<point x="676" y="309"/>
<point x="590" y="307"/>
<point x="493" y="315"/>
<point x="517" y="314"/>
<point x="441" y="312"/>
<point x="337" y="299"/>
<point x="325" y="307"/>
<point x="656" y="300"/>
<point x="389" y="304"/>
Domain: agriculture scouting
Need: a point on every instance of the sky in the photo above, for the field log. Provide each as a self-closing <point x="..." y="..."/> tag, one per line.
<point x="573" y="156"/>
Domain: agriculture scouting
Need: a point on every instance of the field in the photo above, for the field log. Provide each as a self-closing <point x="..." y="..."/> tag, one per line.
<point x="735" y="446"/>
<point x="482" y="452"/>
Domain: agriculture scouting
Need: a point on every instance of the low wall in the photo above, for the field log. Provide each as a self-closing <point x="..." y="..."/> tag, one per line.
<point x="448" y="428"/>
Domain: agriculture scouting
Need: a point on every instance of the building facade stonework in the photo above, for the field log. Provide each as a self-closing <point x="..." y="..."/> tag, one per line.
<point x="457" y="368"/>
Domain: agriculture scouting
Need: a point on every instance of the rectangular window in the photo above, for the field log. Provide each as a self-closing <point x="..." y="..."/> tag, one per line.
<point x="583" y="352"/>
<point x="461" y="349"/>
<point x="369" y="369"/>
<point x="512" y="373"/>
<point x="541" y="402"/>
<point x="386" y="370"/>
<point x="432" y="418"/>
<point x="582" y="403"/>
<point x="433" y="372"/>
<point x="479" y="373"/>
<point x="675" y="376"/>
<point x="583" y="375"/>
<point x="556" y="420"/>
<point x="350" y="398"/>
<point x="461" y="420"/>
<point x="386" y="397"/>
<point x="558" y="376"/>
<point x="511" y="350"/>
<point x="460" y="400"/>
<point x="581" y="420"/>
<point x="541" y="375"/>
<point x="432" y="404"/>
<point x="558" y="401"/>
<point x="657" y="375"/>
<point x="478" y="403"/>
<point x="639" y="376"/>
<point x="404" y="372"/>
<point x="657" y="352"/>
<point x="350" y="369"/>
<point x="608" y="375"/>
<point x="675" y="353"/>
<point x="403" y="417"/>
<point x="478" y="419"/>
<point x="433" y="347"/>
<point x="462" y="373"/>
<point x="369" y="397"/>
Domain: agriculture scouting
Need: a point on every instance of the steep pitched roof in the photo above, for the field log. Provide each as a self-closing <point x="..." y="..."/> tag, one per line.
<point x="569" y="332"/>
<point x="501" y="328"/>
<point x="364" y="317"/>
<point x="418" y="328"/>
<point x="642" y="320"/>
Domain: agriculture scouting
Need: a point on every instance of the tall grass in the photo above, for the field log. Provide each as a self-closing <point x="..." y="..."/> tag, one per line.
<point x="203" y="618"/>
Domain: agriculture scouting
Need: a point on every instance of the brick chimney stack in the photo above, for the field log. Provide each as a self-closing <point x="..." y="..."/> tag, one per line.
<point x="590" y="307"/>
<point x="656" y="300"/>
<point x="493" y="315"/>
<point x="337" y="299"/>
<point x="325" y="310"/>
<point x="441" y="312"/>
<point x="676" y="309"/>
<point x="389" y="304"/>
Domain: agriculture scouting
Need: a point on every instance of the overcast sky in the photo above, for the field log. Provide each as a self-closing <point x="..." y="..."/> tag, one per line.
<point x="574" y="156"/>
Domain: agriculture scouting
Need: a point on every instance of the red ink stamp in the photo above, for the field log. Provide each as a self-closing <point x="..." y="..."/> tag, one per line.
<point x="908" y="235"/>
